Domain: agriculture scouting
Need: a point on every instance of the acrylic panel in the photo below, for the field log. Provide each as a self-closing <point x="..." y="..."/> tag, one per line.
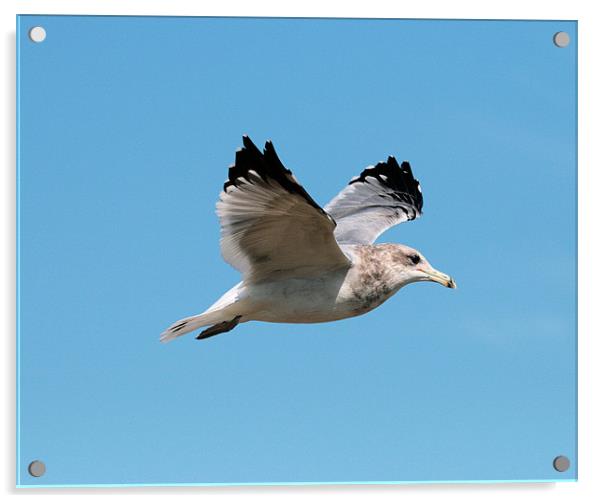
<point x="126" y="129"/>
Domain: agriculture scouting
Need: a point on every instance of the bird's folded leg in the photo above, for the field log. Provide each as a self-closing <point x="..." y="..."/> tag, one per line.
<point x="219" y="328"/>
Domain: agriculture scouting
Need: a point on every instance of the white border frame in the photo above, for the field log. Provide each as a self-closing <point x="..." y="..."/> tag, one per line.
<point x="589" y="206"/>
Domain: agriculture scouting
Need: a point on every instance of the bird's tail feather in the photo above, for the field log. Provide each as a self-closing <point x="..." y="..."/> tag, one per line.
<point x="191" y="323"/>
<point x="222" y="310"/>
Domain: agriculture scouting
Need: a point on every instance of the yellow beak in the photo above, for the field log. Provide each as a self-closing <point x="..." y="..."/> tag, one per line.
<point x="441" y="278"/>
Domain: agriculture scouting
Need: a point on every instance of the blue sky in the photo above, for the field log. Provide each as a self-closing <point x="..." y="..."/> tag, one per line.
<point x="126" y="129"/>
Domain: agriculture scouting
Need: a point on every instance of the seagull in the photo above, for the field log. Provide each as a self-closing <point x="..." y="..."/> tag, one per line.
<point x="301" y="263"/>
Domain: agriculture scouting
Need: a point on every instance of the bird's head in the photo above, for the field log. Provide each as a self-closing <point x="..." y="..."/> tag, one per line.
<point x="413" y="267"/>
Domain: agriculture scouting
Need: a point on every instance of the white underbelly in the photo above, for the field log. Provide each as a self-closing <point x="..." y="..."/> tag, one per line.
<point x="314" y="300"/>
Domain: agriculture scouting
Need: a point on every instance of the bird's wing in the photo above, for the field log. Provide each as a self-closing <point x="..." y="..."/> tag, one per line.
<point x="381" y="197"/>
<point x="270" y="226"/>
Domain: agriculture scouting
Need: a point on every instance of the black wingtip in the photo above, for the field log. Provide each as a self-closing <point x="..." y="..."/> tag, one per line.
<point x="247" y="143"/>
<point x="405" y="166"/>
<point x="238" y="157"/>
<point x="266" y="164"/>
<point x="399" y="178"/>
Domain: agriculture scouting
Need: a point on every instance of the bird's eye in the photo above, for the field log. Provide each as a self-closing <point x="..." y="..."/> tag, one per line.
<point x="415" y="258"/>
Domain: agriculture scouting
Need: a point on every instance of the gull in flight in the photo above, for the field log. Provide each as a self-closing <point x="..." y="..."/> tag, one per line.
<point x="301" y="263"/>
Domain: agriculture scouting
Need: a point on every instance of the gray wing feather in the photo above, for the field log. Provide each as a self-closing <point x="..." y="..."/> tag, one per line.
<point x="270" y="226"/>
<point x="381" y="197"/>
